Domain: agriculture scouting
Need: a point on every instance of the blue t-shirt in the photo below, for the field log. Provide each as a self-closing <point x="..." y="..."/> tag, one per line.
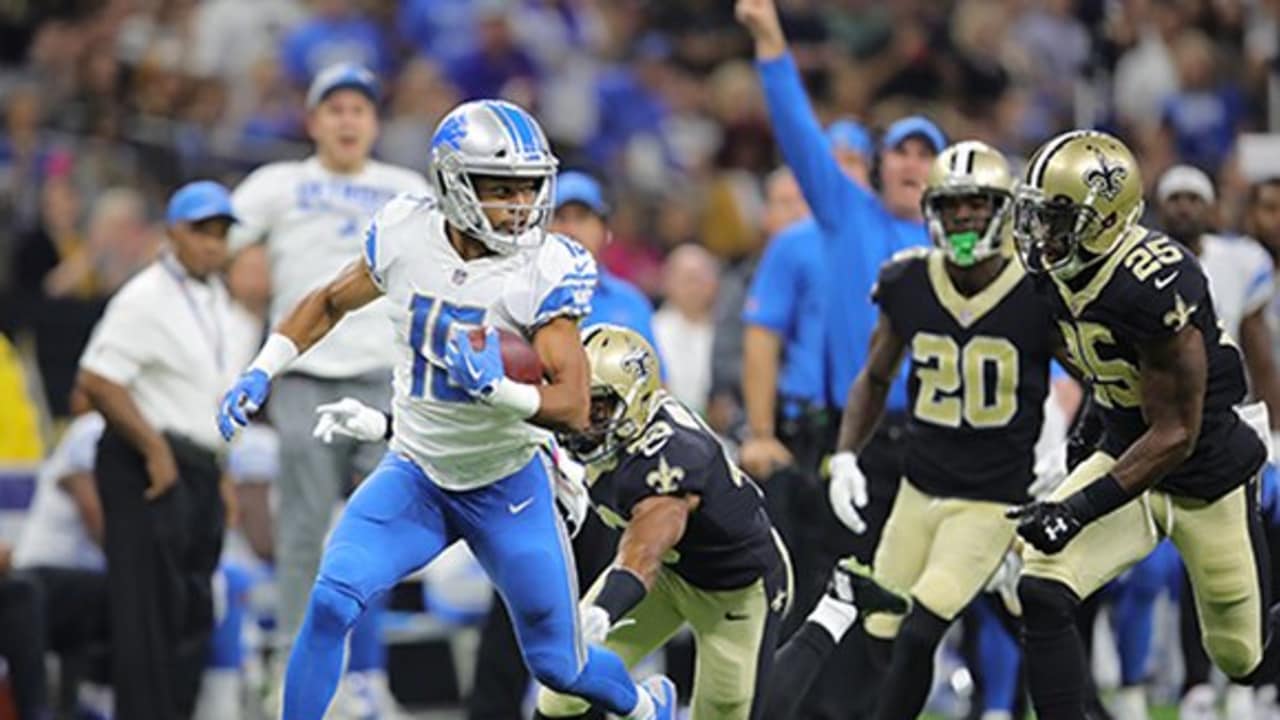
<point x="787" y="297"/>
<point x="860" y="233"/>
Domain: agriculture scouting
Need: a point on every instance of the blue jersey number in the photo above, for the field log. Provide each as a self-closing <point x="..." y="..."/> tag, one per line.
<point x="428" y="330"/>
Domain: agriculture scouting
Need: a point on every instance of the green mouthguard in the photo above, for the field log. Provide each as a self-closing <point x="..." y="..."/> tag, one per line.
<point x="962" y="245"/>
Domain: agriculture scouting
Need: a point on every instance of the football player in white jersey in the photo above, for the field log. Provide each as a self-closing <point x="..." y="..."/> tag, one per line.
<point x="464" y="461"/>
<point x="309" y="216"/>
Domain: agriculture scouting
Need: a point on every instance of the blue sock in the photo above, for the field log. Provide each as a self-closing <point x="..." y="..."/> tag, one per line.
<point x="365" y="650"/>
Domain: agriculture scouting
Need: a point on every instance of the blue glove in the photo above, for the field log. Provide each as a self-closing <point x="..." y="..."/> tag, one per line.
<point x="243" y="399"/>
<point x="477" y="372"/>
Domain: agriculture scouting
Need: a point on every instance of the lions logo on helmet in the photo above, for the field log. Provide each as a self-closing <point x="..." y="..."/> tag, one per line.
<point x="967" y="177"/>
<point x="492" y="138"/>
<point x="625" y="391"/>
<point x="1081" y="192"/>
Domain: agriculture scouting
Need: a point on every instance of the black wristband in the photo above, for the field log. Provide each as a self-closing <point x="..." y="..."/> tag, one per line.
<point x="622" y="591"/>
<point x="387" y="434"/>
<point x="1097" y="499"/>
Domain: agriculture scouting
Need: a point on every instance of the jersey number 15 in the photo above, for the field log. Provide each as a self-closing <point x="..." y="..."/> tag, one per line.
<point x="430" y="319"/>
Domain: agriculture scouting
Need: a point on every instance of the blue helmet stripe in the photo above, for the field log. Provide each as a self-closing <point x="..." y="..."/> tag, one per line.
<point x="510" y="127"/>
<point x="528" y="137"/>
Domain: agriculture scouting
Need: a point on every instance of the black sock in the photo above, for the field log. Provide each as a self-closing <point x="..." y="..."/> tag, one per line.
<point x="1054" y="654"/>
<point x="910" y="675"/>
<point x="795" y="665"/>
<point x="880" y="651"/>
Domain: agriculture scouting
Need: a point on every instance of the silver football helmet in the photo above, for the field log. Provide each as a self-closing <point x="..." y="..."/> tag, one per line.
<point x="498" y="139"/>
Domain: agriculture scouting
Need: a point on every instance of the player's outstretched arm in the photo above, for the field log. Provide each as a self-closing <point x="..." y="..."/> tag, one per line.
<point x="564" y="401"/>
<point x="309" y="321"/>
<point x="848" y="489"/>
<point x="657" y="524"/>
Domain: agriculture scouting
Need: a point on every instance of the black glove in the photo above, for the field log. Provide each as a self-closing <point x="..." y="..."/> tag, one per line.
<point x="1047" y="526"/>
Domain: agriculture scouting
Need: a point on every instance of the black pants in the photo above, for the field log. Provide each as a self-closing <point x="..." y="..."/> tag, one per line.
<point x="836" y="694"/>
<point x="47" y="610"/>
<point x="501" y="676"/>
<point x="161" y="555"/>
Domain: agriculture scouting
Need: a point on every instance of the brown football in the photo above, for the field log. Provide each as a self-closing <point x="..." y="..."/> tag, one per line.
<point x="519" y="359"/>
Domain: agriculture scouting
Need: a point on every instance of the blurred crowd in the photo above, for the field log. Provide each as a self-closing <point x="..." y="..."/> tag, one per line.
<point x="109" y="104"/>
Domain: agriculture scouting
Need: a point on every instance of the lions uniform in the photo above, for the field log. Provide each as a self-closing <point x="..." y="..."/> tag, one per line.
<point x="728" y="576"/>
<point x="461" y="468"/>
<point x="1119" y="290"/>
<point x="462" y="444"/>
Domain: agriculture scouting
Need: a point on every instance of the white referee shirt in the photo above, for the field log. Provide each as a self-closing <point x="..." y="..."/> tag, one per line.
<point x="313" y="222"/>
<point x="176" y="344"/>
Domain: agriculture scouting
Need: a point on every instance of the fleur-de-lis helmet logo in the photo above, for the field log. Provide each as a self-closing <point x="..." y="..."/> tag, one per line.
<point x="1107" y="180"/>
<point x="636" y="362"/>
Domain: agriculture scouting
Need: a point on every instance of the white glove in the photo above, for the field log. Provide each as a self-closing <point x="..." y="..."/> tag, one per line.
<point x="351" y="418"/>
<point x="1050" y="472"/>
<point x="569" y="481"/>
<point x="848" y="491"/>
<point x="595" y="624"/>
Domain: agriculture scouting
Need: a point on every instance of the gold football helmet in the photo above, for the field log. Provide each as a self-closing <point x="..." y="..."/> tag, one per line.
<point x="968" y="201"/>
<point x="1080" y="193"/>
<point x="626" y="387"/>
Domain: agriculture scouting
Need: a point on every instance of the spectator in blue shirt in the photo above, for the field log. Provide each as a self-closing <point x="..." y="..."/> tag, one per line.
<point x="860" y="231"/>
<point x="1202" y="118"/>
<point x="783" y="351"/>
<point x="582" y="214"/>
<point x="336" y="34"/>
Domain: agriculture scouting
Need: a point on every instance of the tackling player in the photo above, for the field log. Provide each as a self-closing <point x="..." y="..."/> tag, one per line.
<point x="464" y="463"/>
<point x="697" y="546"/>
<point x="980" y="346"/>
<point x="1175" y="460"/>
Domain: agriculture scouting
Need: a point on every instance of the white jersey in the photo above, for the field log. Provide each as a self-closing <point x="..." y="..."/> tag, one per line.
<point x="312" y="221"/>
<point x="1240" y="278"/>
<point x="460" y="443"/>
<point x="54" y="534"/>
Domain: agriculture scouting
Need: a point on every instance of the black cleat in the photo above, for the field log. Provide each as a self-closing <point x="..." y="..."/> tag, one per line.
<point x="853" y="583"/>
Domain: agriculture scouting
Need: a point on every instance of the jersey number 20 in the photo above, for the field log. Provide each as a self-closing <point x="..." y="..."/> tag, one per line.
<point x="428" y="330"/>
<point x="953" y="380"/>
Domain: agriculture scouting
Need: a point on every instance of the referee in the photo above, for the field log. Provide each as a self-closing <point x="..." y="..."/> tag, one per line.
<point x="155" y="365"/>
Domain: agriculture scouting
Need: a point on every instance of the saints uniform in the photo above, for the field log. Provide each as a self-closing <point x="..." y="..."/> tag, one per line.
<point x="728" y="577"/>
<point x="1149" y="289"/>
<point x="976" y="387"/>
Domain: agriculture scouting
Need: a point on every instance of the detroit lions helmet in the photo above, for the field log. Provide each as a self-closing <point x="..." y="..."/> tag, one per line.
<point x="497" y="139"/>
<point x="1079" y="195"/>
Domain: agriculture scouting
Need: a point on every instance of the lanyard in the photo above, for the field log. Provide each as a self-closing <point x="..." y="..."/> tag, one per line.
<point x="212" y="331"/>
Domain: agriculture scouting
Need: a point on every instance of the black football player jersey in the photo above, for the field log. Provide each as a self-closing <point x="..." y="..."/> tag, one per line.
<point x="978" y="379"/>
<point x="1148" y="289"/>
<point x="728" y="542"/>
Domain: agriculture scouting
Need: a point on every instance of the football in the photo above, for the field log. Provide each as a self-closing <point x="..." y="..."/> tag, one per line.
<point x="519" y="359"/>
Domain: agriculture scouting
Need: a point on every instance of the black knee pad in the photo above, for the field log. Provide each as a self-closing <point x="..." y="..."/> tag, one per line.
<point x="1046" y="604"/>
